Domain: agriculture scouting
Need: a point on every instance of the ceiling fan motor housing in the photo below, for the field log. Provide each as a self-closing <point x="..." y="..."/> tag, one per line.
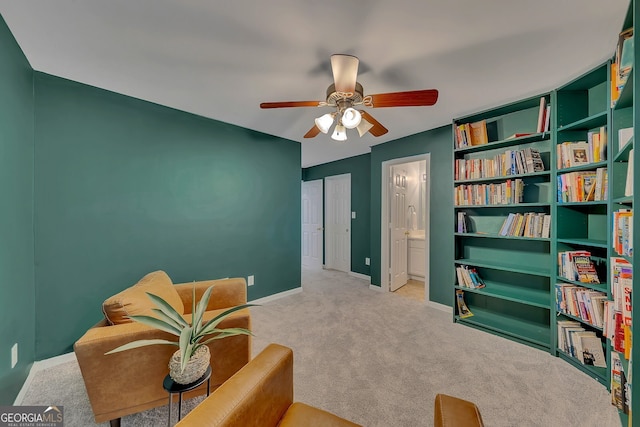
<point x="335" y="98"/>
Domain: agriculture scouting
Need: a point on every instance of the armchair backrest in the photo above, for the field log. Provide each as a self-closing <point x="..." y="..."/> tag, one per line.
<point x="258" y="395"/>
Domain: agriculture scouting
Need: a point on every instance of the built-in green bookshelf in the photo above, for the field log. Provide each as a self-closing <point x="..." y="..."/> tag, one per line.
<point x="519" y="298"/>
<point x="515" y="302"/>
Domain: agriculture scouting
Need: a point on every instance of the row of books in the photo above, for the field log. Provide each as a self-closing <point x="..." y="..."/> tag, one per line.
<point x="468" y="277"/>
<point x="576" y="153"/>
<point x="580" y="302"/>
<point x="622" y="65"/>
<point x="530" y="224"/>
<point x="508" y="192"/>
<point x="461" y="222"/>
<point x="620" y="386"/>
<point x="476" y="133"/>
<point x="511" y="162"/>
<point x="623" y="232"/>
<point x="577" y="266"/>
<point x="621" y="292"/>
<point x="583" y="186"/>
<point x="575" y="341"/>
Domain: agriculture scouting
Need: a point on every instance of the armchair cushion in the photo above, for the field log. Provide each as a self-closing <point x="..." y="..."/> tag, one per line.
<point x="134" y="300"/>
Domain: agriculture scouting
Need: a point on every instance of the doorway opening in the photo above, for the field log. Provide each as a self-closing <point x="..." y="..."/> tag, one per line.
<point x="405" y="206"/>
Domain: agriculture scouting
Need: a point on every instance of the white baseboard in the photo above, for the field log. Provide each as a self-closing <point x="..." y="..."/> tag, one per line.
<point x="376" y="288"/>
<point x="360" y="276"/>
<point x="276" y="296"/>
<point x="39" y="366"/>
<point x="440" y="307"/>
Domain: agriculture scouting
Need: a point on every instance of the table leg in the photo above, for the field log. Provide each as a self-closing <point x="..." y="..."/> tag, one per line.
<point x="180" y="407"/>
<point x="208" y="386"/>
<point x="169" y="406"/>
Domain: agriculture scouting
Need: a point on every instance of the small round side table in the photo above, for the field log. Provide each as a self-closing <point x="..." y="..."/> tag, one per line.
<point x="173" y="387"/>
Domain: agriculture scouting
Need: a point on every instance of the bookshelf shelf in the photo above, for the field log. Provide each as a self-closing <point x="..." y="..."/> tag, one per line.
<point x="506" y="291"/>
<point x="602" y="286"/>
<point x="529" y="331"/>
<point x="599" y="374"/>
<point x="587" y="166"/>
<point x="505" y="143"/>
<point x="585" y="242"/>
<point x="501" y="178"/>
<point x="593" y="121"/>
<point x="509" y="205"/>
<point x="497" y="236"/>
<point x="514" y="268"/>
<point x="581" y="320"/>
<point x="623" y="155"/>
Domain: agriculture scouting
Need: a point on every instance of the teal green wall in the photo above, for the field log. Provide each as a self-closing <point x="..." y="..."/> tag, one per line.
<point x="437" y="142"/>
<point x="124" y="187"/>
<point x="359" y="168"/>
<point x="17" y="289"/>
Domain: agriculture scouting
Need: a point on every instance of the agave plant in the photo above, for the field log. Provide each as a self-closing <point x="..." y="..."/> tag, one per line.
<point x="191" y="337"/>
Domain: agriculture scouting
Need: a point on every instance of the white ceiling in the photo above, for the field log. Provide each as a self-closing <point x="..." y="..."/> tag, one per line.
<point x="220" y="59"/>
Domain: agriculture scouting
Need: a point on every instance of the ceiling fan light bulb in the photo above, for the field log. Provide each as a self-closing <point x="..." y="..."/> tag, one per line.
<point x="339" y="133"/>
<point x="363" y="127"/>
<point x="351" y="118"/>
<point x="324" y="122"/>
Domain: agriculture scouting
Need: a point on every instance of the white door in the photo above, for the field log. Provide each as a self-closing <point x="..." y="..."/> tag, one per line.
<point x="312" y="236"/>
<point x="338" y="222"/>
<point x="398" y="226"/>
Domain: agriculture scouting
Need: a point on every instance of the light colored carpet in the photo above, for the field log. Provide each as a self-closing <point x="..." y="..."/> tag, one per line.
<point x="379" y="359"/>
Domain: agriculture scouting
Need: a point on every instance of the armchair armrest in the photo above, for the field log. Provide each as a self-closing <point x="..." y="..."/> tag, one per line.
<point x="226" y="293"/>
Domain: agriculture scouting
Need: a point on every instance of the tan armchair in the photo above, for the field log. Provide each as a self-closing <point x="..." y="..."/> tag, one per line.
<point x="261" y="395"/>
<point x="127" y="382"/>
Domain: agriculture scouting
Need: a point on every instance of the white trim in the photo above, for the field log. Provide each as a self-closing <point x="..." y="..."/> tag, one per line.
<point x="360" y="276"/>
<point x="277" y="296"/>
<point x="40" y="366"/>
<point x="376" y="288"/>
<point x="440" y="307"/>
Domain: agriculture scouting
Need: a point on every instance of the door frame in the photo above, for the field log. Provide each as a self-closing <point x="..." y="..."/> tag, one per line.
<point x="328" y="243"/>
<point x="384" y="219"/>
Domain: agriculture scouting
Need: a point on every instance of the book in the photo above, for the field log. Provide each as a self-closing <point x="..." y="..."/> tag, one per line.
<point x="579" y="154"/>
<point x="624" y="136"/>
<point x="518" y="135"/>
<point x="592" y="351"/>
<point x="541" y="114"/>
<point x="479" y="133"/>
<point x="463" y="310"/>
<point x="628" y="187"/>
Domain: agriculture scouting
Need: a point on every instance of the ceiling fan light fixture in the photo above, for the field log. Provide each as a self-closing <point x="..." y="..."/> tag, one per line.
<point x="324" y="122"/>
<point x="351" y="118"/>
<point x="363" y="127"/>
<point x="339" y="133"/>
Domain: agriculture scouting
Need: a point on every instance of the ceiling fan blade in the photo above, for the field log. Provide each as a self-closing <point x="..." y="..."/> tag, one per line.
<point x="287" y="104"/>
<point x="377" y="129"/>
<point x="312" y="132"/>
<point x="345" y="72"/>
<point x="414" y="98"/>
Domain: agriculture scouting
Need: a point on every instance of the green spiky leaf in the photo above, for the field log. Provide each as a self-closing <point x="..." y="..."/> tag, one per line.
<point x="167" y="309"/>
<point x="220" y="317"/>
<point x="140" y="343"/>
<point x="156" y="323"/>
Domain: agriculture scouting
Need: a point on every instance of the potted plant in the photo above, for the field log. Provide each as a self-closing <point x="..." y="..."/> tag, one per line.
<point x="191" y="359"/>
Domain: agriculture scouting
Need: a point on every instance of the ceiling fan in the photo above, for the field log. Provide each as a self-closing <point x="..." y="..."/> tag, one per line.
<point x="346" y="93"/>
